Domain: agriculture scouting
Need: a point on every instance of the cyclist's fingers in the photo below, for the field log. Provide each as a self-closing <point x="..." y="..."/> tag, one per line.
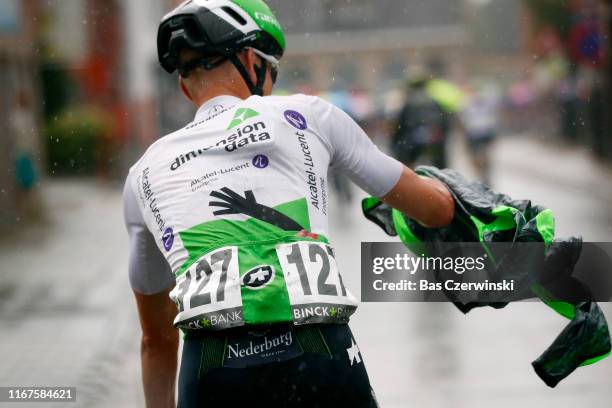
<point x="220" y="204"/>
<point x="232" y="193"/>
<point x="229" y="211"/>
<point x="220" y="196"/>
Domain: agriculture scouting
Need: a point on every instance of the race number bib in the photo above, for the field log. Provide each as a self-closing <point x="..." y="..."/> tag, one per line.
<point x="208" y="293"/>
<point x="316" y="290"/>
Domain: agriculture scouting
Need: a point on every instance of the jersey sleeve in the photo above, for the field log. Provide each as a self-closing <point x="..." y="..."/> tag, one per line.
<point x="149" y="271"/>
<point x="353" y="153"/>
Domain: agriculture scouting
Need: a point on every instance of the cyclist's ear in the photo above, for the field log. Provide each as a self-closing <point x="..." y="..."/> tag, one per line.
<point x="184" y="89"/>
<point x="250" y="60"/>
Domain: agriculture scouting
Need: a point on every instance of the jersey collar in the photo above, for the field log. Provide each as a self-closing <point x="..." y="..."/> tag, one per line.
<point x="215" y="106"/>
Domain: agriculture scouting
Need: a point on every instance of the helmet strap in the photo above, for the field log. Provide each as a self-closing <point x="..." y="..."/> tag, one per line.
<point x="260" y="73"/>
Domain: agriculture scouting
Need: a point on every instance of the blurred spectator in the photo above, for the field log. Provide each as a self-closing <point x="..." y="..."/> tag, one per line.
<point x="569" y="107"/>
<point x="480" y="121"/>
<point x="422" y="126"/>
<point x="24" y="129"/>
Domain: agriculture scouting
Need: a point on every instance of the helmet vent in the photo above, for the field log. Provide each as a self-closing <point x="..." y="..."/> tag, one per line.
<point x="234" y="15"/>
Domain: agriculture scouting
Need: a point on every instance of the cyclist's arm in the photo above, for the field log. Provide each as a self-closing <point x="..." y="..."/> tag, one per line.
<point x="158" y="348"/>
<point x="151" y="280"/>
<point x="425" y="200"/>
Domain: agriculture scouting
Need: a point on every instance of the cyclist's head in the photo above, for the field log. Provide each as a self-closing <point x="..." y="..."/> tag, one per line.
<point x="417" y="78"/>
<point x="223" y="38"/>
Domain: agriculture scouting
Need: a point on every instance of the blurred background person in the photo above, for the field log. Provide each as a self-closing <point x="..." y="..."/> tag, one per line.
<point x="422" y="126"/>
<point x="479" y="118"/>
<point x="26" y="175"/>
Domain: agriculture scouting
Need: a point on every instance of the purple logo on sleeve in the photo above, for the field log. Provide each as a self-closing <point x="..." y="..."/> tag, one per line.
<point x="296" y="119"/>
<point x="261" y="161"/>
<point x="168" y="238"/>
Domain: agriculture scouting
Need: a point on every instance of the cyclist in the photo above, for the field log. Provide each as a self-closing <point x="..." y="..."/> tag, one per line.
<point x="422" y="125"/>
<point x="227" y="220"/>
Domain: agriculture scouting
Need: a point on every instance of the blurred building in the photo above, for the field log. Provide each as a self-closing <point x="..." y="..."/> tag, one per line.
<point x="369" y="45"/>
<point x="84" y="73"/>
<point x="144" y="91"/>
<point x="100" y="57"/>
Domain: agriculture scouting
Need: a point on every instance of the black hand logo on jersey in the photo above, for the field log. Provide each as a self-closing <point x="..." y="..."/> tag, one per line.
<point x="233" y="203"/>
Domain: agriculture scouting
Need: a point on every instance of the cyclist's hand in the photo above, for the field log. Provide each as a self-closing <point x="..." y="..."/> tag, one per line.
<point x="232" y="203"/>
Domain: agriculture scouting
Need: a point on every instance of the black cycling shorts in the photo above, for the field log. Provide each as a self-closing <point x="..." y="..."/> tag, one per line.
<point x="274" y="366"/>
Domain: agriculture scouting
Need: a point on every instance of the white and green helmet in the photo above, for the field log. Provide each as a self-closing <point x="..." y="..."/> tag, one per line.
<point x="220" y="28"/>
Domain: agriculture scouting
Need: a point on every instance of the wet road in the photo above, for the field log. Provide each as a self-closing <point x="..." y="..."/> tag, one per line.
<point x="67" y="316"/>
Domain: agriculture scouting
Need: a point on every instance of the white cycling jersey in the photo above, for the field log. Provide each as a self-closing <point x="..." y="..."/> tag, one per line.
<point x="233" y="207"/>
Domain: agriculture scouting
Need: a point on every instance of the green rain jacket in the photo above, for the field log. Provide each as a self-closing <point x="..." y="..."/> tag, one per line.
<point x="482" y="215"/>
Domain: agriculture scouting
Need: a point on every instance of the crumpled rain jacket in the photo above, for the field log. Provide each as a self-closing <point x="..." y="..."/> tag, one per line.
<point x="482" y="215"/>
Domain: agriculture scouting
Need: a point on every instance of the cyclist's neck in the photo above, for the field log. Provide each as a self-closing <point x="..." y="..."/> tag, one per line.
<point x="204" y="96"/>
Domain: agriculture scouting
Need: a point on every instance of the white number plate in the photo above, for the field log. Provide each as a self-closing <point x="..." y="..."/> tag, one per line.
<point x="210" y="289"/>
<point x="312" y="275"/>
